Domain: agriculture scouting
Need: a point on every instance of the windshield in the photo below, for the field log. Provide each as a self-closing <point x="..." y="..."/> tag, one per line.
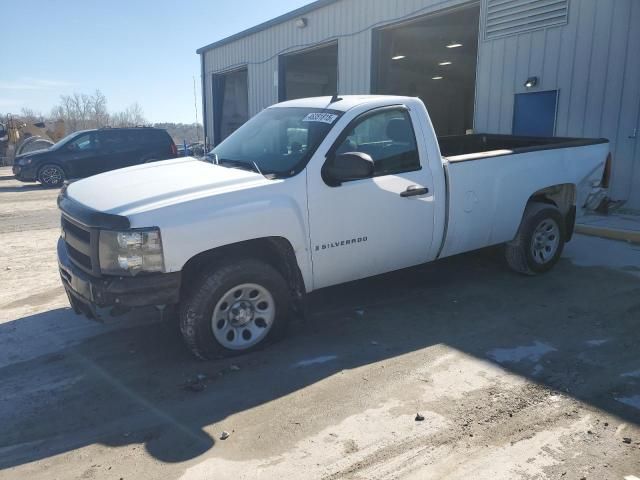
<point x="64" y="140"/>
<point x="277" y="141"/>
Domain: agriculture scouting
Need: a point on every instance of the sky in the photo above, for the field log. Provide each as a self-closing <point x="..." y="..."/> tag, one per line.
<point x="132" y="51"/>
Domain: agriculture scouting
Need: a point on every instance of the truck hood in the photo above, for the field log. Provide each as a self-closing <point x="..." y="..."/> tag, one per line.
<point x="154" y="185"/>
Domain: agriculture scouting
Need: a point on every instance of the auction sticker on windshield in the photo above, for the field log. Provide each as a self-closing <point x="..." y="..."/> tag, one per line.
<point x="320" y="117"/>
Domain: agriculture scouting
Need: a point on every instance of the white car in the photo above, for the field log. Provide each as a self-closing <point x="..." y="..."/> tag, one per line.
<point x="307" y="194"/>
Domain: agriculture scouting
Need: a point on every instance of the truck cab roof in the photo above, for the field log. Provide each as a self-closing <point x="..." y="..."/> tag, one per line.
<point x="345" y="102"/>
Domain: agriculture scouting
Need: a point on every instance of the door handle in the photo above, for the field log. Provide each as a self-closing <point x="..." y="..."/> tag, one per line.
<point x="634" y="134"/>
<point x="414" y="191"/>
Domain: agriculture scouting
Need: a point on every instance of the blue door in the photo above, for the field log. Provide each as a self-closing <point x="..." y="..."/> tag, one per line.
<point x="534" y="114"/>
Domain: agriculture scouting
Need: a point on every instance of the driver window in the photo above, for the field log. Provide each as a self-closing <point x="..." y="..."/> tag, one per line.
<point x="83" y="143"/>
<point x="388" y="138"/>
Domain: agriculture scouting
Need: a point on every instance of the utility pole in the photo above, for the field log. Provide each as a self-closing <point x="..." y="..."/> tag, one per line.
<point x="195" y="106"/>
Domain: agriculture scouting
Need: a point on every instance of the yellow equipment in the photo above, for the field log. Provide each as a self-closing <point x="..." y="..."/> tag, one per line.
<point x="18" y="136"/>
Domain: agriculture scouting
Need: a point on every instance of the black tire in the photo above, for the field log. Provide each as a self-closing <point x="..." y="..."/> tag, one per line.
<point x="51" y="175"/>
<point x="208" y="289"/>
<point x="525" y="253"/>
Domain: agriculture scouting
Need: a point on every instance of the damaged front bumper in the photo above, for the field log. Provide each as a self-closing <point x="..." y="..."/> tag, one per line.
<point x="99" y="297"/>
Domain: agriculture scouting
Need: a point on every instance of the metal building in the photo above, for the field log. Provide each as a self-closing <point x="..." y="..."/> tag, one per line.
<point x="536" y="67"/>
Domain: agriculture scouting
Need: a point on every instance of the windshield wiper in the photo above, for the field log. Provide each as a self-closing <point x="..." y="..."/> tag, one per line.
<point x="234" y="164"/>
<point x="252" y="167"/>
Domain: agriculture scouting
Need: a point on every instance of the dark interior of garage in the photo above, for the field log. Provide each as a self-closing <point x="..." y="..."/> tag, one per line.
<point x="230" y="102"/>
<point x="433" y="58"/>
<point x="311" y="73"/>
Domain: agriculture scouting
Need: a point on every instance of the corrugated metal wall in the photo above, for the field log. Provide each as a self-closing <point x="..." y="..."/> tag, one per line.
<point x="592" y="61"/>
<point x="346" y="17"/>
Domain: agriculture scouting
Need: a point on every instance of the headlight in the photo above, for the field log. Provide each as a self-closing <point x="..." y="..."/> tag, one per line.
<point x="130" y="253"/>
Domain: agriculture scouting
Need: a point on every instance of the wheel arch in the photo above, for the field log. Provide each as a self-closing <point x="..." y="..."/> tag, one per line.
<point x="276" y="251"/>
<point x="563" y="196"/>
<point x="44" y="164"/>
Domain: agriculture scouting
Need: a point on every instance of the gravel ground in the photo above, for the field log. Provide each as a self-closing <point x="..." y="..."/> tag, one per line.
<point x="514" y="377"/>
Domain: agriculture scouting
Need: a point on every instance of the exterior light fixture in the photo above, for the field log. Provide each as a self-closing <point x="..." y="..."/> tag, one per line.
<point x="398" y="57"/>
<point x="437" y="78"/>
<point x="442" y="64"/>
<point x="301" y="22"/>
<point x="454" y="45"/>
<point x="531" y="82"/>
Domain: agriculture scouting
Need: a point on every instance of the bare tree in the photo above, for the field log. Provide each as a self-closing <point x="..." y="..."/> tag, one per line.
<point x="132" y="116"/>
<point x="99" y="109"/>
<point x="82" y="111"/>
<point x="71" y="111"/>
<point x="29" y="115"/>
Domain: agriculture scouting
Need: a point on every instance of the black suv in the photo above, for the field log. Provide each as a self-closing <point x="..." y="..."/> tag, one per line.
<point x="89" y="152"/>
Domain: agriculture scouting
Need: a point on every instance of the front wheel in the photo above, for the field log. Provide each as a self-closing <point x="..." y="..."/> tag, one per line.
<point x="233" y="308"/>
<point x="539" y="242"/>
<point x="51" y="175"/>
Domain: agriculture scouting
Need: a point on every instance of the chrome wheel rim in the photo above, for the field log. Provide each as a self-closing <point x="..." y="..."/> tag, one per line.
<point x="545" y="241"/>
<point x="243" y="316"/>
<point x="51" y="176"/>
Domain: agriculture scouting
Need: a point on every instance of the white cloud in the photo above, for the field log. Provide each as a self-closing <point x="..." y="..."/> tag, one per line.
<point x="29" y="83"/>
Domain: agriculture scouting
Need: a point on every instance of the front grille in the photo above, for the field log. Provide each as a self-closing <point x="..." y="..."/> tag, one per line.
<point x="79" y="257"/>
<point x="81" y="244"/>
<point x="79" y="232"/>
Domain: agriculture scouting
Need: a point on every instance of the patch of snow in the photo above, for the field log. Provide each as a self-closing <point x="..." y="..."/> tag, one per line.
<point x="532" y="353"/>
<point x="315" y="360"/>
<point x="635" y="374"/>
<point x="597" y="342"/>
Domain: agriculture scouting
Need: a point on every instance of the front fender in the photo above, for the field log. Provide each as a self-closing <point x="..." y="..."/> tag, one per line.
<point x="194" y="227"/>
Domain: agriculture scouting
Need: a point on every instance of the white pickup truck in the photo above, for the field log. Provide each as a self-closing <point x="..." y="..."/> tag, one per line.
<point x="307" y="194"/>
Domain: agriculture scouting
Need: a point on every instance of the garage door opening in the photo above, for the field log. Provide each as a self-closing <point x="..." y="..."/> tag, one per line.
<point x="433" y="58"/>
<point x="311" y="73"/>
<point x="230" y="103"/>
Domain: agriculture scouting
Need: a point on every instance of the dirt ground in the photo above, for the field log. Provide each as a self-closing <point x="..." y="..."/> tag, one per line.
<point x="516" y="377"/>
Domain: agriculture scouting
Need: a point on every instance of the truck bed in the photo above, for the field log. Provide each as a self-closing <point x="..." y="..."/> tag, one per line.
<point x="486" y="198"/>
<point x="460" y="148"/>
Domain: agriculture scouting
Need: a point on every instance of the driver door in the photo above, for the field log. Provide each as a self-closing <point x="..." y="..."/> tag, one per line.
<point x="370" y="226"/>
<point x="82" y="155"/>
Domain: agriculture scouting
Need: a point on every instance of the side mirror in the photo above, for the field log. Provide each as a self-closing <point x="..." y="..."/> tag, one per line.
<point x="349" y="166"/>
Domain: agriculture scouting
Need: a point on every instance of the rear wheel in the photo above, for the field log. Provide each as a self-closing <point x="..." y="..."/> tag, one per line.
<point x="233" y="308"/>
<point x="51" y="175"/>
<point x="539" y="242"/>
